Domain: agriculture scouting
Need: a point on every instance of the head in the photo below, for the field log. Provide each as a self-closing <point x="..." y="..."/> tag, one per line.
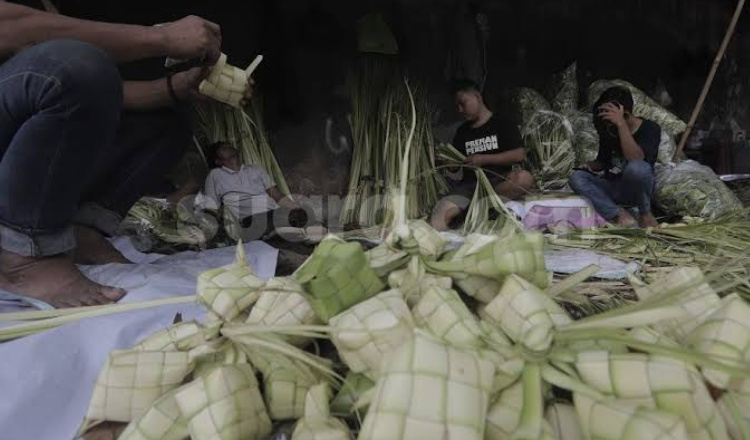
<point x="469" y="101"/>
<point x="614" y="95"/>
<point x="226" y="156"/>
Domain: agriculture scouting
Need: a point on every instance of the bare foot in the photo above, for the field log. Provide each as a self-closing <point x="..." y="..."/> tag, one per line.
<point x="649" y="221"/>
<point x="625" y="220"/>
<point x="92" y="248"/>
<point x="55" y="280"/>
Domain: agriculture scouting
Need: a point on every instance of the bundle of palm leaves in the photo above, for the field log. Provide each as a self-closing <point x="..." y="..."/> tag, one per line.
<point x="380" y="111"/>
<point x="549" y="143"/>
<point x="718" y="245"/>
<point x="487" y="214"/>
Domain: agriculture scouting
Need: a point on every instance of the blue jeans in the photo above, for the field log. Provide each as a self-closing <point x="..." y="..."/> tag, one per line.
<point x="67" y="152"/>
<point x="633" y="187"/>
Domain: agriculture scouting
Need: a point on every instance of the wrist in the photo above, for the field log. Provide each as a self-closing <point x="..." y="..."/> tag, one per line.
<point x="156" y="40"/>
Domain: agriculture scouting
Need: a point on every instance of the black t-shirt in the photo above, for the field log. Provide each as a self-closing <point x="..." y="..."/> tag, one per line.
<point x="648" y="137"/>
<point x="498" y="135"/>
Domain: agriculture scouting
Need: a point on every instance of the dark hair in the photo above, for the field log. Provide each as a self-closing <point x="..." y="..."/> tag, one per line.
<point x="213" y="152"/>
<point x="620" y="95"/>
<point x="465" y="85"/>
<point x="617" y="95"/>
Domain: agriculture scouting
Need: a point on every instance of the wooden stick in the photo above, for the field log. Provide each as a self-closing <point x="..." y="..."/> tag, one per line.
<point x="710" y="80"/>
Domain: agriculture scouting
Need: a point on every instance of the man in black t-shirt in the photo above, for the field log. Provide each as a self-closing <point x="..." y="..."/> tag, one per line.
<point x="623" y="171"/>
<point x="490" y="142"/>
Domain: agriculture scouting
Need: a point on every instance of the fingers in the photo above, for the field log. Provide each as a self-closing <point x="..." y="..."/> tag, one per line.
<point x="214" y="28"/>
<point x="213" y="53"/>
<point x="213" y="41"/>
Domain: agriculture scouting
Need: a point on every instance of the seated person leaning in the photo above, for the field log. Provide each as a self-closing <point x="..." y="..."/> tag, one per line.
<point x="623" y="172"/>
<point x="250" y="194"/>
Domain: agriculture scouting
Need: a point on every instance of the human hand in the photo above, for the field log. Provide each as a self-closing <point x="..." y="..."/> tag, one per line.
<point x="475" y="160"/>
<point x="192" y="37"/>
<point x="613" y="113"/>
<point x="248" y="92"/>
<point x="186" y="84"/>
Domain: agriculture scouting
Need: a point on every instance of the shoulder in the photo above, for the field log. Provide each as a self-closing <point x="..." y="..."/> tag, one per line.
<point x="215" y="173"/>
<point x="650" y="126"/>
<point x="255" y="169"/>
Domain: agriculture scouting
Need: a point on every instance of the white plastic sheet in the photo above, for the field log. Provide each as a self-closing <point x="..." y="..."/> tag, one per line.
<point x="46" y="380"/>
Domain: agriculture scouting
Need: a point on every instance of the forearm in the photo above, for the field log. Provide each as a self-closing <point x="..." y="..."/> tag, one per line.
<point x="630" y="149"/>
<point x="146" y="95"/>
<point x="21" y="27"/>
<point x="504" y="159"/>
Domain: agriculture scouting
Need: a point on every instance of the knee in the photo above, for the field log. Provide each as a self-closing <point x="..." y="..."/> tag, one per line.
<point x="638" y="170"/>
<point x="578" y="179"/>
<point x="85" y="73"/>
<point x="523" y="180"/>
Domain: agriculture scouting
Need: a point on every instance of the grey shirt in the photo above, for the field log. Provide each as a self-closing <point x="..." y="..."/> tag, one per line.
<point x="244" y="192"/>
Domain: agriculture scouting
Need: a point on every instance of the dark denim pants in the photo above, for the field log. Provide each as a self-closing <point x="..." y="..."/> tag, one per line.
<point x="633" y="187"/>
<point x="68" y="153"/>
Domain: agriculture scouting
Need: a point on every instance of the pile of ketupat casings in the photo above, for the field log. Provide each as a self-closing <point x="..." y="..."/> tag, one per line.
<point x="414" y="361"/>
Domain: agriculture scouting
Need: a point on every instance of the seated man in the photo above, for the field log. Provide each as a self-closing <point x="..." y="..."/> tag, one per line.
<point x="491" y="143"/>
<point x="628" y="148"/>
<point x="250" y="195"/>
<point x="78" y="145"/>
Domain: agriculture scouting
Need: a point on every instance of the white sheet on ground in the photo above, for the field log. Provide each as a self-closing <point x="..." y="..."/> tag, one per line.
<point x="46" y="380"/>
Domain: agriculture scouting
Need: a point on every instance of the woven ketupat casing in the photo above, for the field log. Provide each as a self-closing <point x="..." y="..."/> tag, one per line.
<point x="336" y="277"/>
<point x="225" y="404"/>
<point x="697" y="299"/>
<point x="725" y="335"/>
<point x="414" y="281"/>
<point x="214" y="354"/>
<point x="365" y="333"/>
<point x="179" y="337"/>
<point x="445" y="316"/>
<point x="504" y="416"/>
<point x="354" y="386"/>
<point x="429" y="390"/>
<point x="281" y="303"/>
<point x="655" y="382"/>
<point x="228" y="291"/>
<point x="610" y="419"/>
<point x="286" y="382"/>
<point x="424" y="241"/>
<point x="521" y="254"/>
<point x="163" y="421"/>
<point x="225" y="83"/>
<point x="526" y="314"/>
<point x="317" y="424"/>
<point x="385" y="260"/>
<point x="131" y="381"/>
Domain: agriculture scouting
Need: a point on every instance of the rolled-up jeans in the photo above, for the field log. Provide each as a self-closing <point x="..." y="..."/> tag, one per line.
<point x="65" y="154"/>
<point x="633" y="187"/>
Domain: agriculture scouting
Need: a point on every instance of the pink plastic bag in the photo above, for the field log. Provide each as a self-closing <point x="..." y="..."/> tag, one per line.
<point x="545" y="215"/>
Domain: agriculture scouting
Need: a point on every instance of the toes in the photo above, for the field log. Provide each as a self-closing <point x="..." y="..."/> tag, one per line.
<point x="94" y="300"/>
<point x="112" y="294"/>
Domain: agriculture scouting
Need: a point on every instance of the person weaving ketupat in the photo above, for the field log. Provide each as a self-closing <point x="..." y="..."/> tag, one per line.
<point x="628" y="149"/>
<point x="490" y="142"/>
<point x="75" y="151"/>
